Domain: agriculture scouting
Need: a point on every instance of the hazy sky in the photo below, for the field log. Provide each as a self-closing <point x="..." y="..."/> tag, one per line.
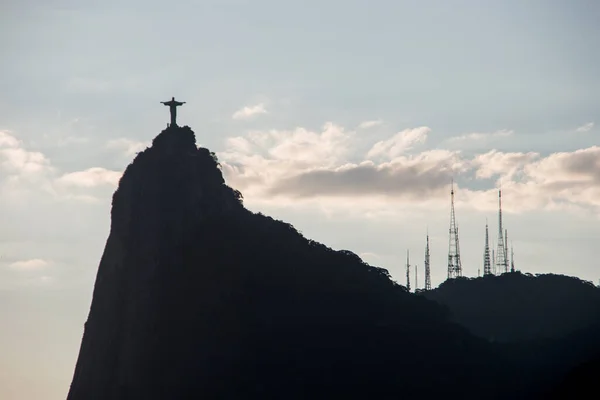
<point x="346" y="118"/>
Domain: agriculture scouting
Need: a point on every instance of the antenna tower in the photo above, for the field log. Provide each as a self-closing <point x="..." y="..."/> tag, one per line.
<point x="493" y="265"/>
<point x="407" y="271"/>
<point x="501" y="264"/>
<point x="512" y="259"/>
<point x="506" y="249"/>
<point x="416" y="278"/>
<point x="427" y="271"/>
<point x="487" y="264"/>
<point x="454" y="265"/>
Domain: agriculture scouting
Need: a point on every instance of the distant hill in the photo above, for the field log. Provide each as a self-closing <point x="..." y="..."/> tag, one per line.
<point x="517" y="307"/>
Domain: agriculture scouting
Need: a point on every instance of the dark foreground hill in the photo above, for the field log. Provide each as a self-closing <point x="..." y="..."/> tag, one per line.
<point x="197" y="297"/>
<point x="516" y="307"/>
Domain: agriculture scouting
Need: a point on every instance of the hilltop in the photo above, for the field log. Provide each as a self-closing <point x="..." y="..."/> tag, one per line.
<point x="516" y="307"/>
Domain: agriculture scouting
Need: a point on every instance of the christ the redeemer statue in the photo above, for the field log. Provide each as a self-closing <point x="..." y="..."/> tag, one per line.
<point x="173" y="104"/>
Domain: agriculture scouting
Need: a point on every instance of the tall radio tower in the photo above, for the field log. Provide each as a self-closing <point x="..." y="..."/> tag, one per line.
<point x="512" y="259"/>
<point x="506" y="249"/>
<point x="416" y="277"/>
<point x="501" y="264"/>
<point x="427" y="271"/>
<point x="487" y="264"/>
<point x="407" y="270"/>
<point x="454" y="265"/>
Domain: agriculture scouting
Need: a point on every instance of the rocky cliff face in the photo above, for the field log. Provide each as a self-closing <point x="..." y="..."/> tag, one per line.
<point x="196" y="297"/>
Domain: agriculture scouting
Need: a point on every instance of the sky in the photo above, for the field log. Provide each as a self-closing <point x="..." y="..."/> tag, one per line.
<point x="348" y="119"/>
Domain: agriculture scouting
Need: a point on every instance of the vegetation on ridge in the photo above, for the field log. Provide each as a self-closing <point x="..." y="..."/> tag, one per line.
<point x="517" y="307"/>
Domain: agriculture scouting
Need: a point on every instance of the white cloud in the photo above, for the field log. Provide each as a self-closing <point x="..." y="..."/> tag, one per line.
<point x="7" y="140"/>
<point x="16" y="160"/>
<point x="296" y="147"/>
<point x="496" y="163"/>
<point x="482" y="136"/>
<point x="35" y="263"/>
<point x="91" y="177"/>
<point x="399" y="143"/>
<point x="585" y="128"/>
<point x="370" y="124"/>
<point x="127" y="146"/>
<point x="249" y="111"/>
<point x="320" y="169"/>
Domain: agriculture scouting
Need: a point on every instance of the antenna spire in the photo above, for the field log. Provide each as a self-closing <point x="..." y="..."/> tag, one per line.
<point x="487" y="264"/>
<point x="407" y="270"/>
<point x="416" y="277"/>
<point x="512" y="258"/>
<point x="501" y="264"/>
<point x="454" y="264"/>
<point x="427" y="271"/>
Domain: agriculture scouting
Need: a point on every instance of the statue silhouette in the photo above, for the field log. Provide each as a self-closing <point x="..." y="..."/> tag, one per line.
<point x="173" y="104"/>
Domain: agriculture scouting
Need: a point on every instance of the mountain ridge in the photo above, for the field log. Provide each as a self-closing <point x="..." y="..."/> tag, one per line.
<point x="196" y="296"/>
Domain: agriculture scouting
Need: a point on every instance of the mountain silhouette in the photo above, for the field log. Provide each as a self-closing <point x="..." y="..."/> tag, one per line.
<point x="197" y="297"/>
<point x="517" y="307"/>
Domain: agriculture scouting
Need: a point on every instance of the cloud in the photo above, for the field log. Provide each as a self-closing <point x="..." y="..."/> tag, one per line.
<point x="325" y="169"/>
<point x="249" y="111"/>
<point x="399" y="143"/>
<point x="482" y="136"/>
<point x="91" y="177"/>
<point x="31" y="264"/>
<point x="495" y="163"/>
<point x="15" y="160"/>
<point x="298" y="147"/>
<point x="370" y="124"/>
<point x="127" y="146"/>
<point x="29" y="175"/>
<point x="585" y="128"/>
<point x="579" y="166"/>
<point x="414" y="178"/>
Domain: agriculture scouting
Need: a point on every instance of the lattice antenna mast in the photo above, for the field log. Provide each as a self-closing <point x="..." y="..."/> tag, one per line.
<point x="487" y="264"/>
<point x="458" y="262"/>
<point x="501" y="264"/>
<point x="454" y="264"/>
<point x="416" y="277"/>
<point x="506" y="249"/>
<point x="427" y="271"/>
<point x="512" y="259"/>
<point x="494" y="265"/>
<point x="407" y="270"/>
